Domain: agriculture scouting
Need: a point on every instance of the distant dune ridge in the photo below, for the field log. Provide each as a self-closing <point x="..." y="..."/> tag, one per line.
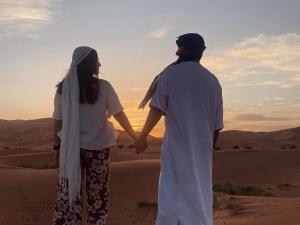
<point x="282" y="139"/>
<point x="260" y="185"/>
<point x="29" y="133"/>
<point x="26" y="133"/>
<point x="38" y="133"/>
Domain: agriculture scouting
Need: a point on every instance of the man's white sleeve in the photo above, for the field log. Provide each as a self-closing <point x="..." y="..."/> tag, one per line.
<point x="219" y="110"/>
<point x="160" y="96"/>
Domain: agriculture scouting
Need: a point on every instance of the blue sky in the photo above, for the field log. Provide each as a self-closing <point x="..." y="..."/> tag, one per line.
<point x="253" y="47"/>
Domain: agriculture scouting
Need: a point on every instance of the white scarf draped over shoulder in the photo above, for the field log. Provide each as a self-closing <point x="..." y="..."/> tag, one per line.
<point x="152" y="87"/>
<point x="69" y="162"/>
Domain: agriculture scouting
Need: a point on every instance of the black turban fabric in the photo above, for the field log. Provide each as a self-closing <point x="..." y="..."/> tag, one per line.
<point x="193" y="43"/>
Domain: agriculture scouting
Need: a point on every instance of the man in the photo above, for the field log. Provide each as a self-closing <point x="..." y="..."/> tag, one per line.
<point x="190" y="98"/>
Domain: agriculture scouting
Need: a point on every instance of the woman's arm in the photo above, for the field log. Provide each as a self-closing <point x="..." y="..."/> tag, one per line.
<point x="125" y="124"/>
<point x="57" y="128"/>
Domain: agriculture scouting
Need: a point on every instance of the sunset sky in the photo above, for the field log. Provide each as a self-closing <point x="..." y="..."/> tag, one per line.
<point x="253" y="47"/>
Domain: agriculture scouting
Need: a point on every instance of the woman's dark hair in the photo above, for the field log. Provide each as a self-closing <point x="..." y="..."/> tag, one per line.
<point x="88" y="79"/>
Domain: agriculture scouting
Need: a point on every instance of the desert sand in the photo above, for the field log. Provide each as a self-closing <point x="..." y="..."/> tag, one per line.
<point x="260" y="186"/>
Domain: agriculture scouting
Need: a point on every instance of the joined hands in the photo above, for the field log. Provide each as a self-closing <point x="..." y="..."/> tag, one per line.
<point x="141" y="143"/>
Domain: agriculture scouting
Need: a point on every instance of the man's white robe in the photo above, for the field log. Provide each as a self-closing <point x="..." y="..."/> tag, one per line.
<point x="191" y="98"/>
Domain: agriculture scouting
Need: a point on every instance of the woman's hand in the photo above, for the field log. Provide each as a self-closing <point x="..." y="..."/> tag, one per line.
<point x="153" y="117"/>
<point x="134" y="137"/>
<point x="141" y="144"/>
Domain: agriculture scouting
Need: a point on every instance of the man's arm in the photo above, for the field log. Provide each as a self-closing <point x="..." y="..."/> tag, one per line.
<point x="153" y="117"/>
<point x="216" y="135"/>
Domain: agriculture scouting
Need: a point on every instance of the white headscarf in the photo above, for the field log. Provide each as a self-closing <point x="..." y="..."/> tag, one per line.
<point x="69" y="163"/>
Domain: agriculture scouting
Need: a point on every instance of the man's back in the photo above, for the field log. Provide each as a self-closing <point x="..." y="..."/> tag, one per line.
<point x="194" y="99"/>
<point x="191" y="99"/>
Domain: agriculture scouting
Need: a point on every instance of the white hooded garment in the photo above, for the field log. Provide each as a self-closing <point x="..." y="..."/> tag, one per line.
<point x="84" y="125"/>
<point x="69" y="158"/>
<point x="191" y="99"/>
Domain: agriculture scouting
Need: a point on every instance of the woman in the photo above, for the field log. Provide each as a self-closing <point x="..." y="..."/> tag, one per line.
<point x="83" y="137"/>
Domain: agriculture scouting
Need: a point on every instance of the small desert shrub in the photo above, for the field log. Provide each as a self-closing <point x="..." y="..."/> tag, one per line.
<point x="235" y="147"/>
<point x="39" y="167"/>
<point x="236" y="208"/>
<point x="248" y="147"/>
<point x="293" y="146"/>
<point x="147" y="204"/>
<point x="284" y="185"/>
<point x="217" y="148"/>
<point x="235" y="189"/>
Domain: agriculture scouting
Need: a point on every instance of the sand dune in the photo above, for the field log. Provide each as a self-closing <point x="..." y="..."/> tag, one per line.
<point x="37" y="135"/>
<point x="257" y="211"/>
<point x="27" y="195"/>
<point x="250" y="167"/>
<point x="33" y="134"/>
<point x="274" y="170"/>
<point x="260" y="167"/>
<point x="44" y="160"/>
<point x="281" y="139"/>
<point x="28" y="187"/>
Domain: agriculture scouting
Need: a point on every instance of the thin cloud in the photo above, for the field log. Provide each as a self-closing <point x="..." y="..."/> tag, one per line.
<point x="281" y="52"/>
<point x="245" y="119"/>
<point x="138" y="88"/>
<point x="157" y="34"/>
<point x="153" y="35"/>
<point x="278" y="98"/>
<point x="296" y="78"/>
<point x="24" y="18"/>
<point x="291" y="82"/>
<point x="259" y="117"/>
<point x="267" y="55"/>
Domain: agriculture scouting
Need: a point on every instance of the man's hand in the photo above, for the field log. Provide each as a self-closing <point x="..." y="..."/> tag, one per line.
<point x="152" y="119"/>
<point x="141" y="144"/>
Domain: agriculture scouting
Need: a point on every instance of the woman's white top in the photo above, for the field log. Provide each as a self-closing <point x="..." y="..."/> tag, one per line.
<point x="96" y="132"/>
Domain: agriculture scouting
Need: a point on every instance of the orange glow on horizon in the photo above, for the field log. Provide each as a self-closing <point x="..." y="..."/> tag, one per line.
<point x="137" y="118"/>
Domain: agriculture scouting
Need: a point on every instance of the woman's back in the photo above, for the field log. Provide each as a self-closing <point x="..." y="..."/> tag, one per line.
<point x="96" y="132"/>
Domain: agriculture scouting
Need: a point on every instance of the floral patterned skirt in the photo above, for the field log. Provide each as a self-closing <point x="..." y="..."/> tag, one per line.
<point x="95" y="166"/>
